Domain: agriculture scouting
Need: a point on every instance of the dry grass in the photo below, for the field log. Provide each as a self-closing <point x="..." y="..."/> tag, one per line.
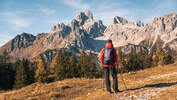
<point x="158" y="80"/>
<point x="64" y="90"/>
<point x="138" y="83"/>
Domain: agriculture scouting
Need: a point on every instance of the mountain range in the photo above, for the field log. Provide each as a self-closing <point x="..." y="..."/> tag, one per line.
<point x="84" y="32"/>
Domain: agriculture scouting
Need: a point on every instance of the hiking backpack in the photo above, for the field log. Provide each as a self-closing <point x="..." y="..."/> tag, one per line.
<point x="108" y="56"/>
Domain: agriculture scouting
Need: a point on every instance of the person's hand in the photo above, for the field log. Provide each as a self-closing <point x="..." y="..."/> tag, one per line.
<point x="126" y="60"/>
<point x="119" y="67"/>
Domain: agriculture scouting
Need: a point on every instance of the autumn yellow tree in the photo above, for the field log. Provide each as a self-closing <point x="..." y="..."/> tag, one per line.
<point x="54" y="63"/>
<point x="161" y="57"/>
<point x="41" y="71"/>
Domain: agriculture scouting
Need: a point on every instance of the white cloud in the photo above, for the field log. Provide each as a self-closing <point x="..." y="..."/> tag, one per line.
<point x="47" y="11"/>
<point x="79" y="4"/>
<point x="15" y="20"/>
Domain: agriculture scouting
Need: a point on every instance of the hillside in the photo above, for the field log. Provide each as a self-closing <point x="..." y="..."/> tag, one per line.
<point x="158" y="83"/>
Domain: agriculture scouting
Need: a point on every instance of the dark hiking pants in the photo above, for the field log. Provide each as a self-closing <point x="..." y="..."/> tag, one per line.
<point x="107" y="80"/>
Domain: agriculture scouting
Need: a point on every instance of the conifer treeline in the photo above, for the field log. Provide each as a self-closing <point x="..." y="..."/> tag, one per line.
<point x="137" y="60"/>
<point x="64" y="66"/>
<point x="6" y="72"/>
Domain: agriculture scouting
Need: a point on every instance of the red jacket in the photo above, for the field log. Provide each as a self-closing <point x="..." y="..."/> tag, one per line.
<point x="108" y="45"/>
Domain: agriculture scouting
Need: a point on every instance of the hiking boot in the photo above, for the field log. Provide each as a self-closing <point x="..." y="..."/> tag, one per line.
<point x="110" y="92"/>
<point x="116" y="91"/>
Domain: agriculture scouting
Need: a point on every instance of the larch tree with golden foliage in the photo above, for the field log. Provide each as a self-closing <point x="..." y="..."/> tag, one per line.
<point x="41" y="71"/>
<point x="54" y="63"/>
<point x="161" y="57"/>
<point x="156" y="56"/>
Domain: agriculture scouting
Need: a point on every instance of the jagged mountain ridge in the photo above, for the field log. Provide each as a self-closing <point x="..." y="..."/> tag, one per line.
<point x="24" y="45"/>
<point x="77" y="35"/>
<point x="85" y="33"/>
<point x="123" y="32"/>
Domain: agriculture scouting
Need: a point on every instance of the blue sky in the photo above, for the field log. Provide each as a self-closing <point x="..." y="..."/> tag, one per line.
<point x="36" y="16"/>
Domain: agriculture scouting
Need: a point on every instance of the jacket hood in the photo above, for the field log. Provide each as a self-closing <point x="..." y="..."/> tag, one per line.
<point x="109" y="45"/>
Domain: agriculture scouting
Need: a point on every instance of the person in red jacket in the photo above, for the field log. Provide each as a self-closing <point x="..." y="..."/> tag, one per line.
<point x="108" y="59"/>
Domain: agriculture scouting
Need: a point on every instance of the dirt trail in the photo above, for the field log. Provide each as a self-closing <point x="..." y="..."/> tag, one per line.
<point x="148" y="91"/>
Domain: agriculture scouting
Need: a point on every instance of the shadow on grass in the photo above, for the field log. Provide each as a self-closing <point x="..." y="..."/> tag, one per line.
<point x="159" y="85"/>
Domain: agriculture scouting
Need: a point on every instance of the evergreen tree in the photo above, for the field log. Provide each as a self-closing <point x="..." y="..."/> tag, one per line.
<point x="73" y="65"/>
<point x="122" y="61"/>
<point x="82" y="64"/>
<point x="66" y="66"/>
<point x="132" y="61"/>
<point x="6" y="72"/>
<point x="91" y="66"/>
<point x="3" y="76"/>
<point x="144" y="59"/>
<point x="168" y="59"/>
<point x="87" y="65"/>
<point x="32" y="72"/>
<point x="41" y="71"/>
<point x="60" y="69"/>
<point x="22" y="74"/>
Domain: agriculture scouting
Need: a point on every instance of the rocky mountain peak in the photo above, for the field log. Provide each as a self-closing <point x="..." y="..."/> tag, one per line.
<point x="164" y="24"/>
<point x="74" y="24"/>
<point x="58" y="28"/>
<point x="89" y="14"/>
<point x="171" y="15"/>
<point x="100" y="22"/>
<point x="22" y="41"/>
<point x="119" y="20"/>
<point x="139" y="23"/>
<point x="82" y="17"/>
<point x="25" y="37"/>
<point x="169" y="18"/>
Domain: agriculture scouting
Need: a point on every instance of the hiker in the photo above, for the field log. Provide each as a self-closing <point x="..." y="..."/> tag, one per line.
<point x="108" y="58"/>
